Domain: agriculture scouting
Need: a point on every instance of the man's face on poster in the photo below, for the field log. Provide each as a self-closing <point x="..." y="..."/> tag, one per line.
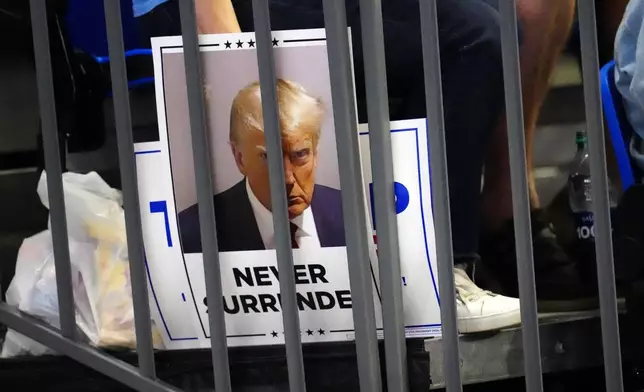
<point x="301" y="120"/>
<point x="299" y="157"/>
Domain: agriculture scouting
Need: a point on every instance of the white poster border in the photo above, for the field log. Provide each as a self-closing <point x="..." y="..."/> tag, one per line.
<point x="147" y="150"/>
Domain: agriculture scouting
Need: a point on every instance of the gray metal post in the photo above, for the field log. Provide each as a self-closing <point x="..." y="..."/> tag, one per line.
<point x="273" y="137"/>
<point x="203" y="176"/>
<point x="520" y="198"/>
<point x="440" y="193"/>
<point x="601" y="205"/>
<point x="143" y="325"/>
<point x="384" y="203"/>
<point x="353" y="197"/>
<point x="49" y="123"/>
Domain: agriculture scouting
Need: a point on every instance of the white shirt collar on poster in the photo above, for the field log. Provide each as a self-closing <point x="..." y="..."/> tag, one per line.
<point x="306" y="235"/>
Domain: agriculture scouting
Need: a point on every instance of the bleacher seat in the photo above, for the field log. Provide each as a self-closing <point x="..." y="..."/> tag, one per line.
<point x="619" y="128"/>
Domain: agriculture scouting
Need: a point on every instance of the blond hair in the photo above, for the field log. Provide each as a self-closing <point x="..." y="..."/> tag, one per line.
<point x="297" y="110"/>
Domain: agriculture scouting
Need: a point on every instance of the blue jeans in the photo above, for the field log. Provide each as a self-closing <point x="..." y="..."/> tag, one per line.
<point x="472" y="74"/>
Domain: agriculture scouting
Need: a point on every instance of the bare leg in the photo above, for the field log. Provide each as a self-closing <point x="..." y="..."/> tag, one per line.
<point x="546" y="26"/>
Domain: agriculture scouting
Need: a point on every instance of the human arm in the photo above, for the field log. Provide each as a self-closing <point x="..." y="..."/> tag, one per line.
<point x="216" y="16"/>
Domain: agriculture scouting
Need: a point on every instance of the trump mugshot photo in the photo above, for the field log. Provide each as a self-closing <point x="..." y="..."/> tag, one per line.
<point x="241" y="191"/>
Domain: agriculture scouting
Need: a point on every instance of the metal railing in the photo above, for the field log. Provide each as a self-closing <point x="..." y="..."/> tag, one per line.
<point x="144" y="377"/>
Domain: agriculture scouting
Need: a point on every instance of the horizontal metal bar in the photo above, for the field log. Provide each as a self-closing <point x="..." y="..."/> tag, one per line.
<point x="353" y="197"/>
<point x="204" y="180"/>
<point x="127" y="163"/>
<point x="42" y="333"/>
<point x="520" y="195"/>
<point x="51" y="145"/>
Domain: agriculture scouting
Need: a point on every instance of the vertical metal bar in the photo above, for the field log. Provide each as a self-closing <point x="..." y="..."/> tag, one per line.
<point x="273" y="137"/>
<point x="520" y="198"/>
<point x="203" y="177"/>
<point x="353" y="198"/>
<point x="601" y="202"/>
<point x="383" y="180"/>
<point x="47" y="104"/>
<point x="143" y="327"/>
<point x="440" y="193"/>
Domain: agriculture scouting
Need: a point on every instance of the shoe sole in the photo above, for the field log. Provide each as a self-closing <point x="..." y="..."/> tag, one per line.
<point x="489" y="323"/>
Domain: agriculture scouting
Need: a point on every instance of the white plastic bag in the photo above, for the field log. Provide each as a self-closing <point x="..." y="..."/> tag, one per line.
<point x="100" y="271"/>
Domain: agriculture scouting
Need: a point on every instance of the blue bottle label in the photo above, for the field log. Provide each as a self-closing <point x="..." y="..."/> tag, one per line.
<point x="585" y="224"/>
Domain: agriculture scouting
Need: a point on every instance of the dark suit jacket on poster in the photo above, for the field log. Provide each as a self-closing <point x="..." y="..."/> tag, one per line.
<point x="237" y="229"/>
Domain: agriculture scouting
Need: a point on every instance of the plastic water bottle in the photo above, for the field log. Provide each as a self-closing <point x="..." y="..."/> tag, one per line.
<point x="580" y="196"/>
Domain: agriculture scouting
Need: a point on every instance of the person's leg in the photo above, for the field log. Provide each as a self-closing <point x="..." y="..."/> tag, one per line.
<point x="472" y="78"/>
<point x="546" y="26"/>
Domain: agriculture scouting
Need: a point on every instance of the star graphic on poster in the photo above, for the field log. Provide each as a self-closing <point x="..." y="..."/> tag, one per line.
<point x="275" y="42"/>
<point x="321" y="331"/>
<point x="309" y="332"/>
<point x="227" y="43"/>
<point x="274" y="334"/>
<point x="240" y="44"/>
<point x="251" y="43"/>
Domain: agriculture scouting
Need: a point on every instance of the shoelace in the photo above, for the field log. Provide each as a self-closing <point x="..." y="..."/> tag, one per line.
<point x="466" y="290"/>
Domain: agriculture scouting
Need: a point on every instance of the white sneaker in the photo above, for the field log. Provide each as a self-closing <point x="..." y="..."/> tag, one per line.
<point x="479" y="310"/>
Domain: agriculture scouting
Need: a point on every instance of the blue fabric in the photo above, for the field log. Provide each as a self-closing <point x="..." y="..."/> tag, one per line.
<point x="85" y="26"/>
<point x="629" y="73"/>
<point x="142" y="7"/>
<point x="619" y="127"/>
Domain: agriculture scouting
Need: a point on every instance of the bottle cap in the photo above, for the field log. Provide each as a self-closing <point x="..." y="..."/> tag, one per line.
<point x="581" y="137"/>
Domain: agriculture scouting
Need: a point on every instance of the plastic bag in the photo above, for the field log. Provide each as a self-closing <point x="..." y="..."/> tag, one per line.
<point x="100" y="271"/>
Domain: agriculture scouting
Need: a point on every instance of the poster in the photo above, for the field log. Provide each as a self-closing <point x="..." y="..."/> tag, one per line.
<point x="242" y="204"/>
